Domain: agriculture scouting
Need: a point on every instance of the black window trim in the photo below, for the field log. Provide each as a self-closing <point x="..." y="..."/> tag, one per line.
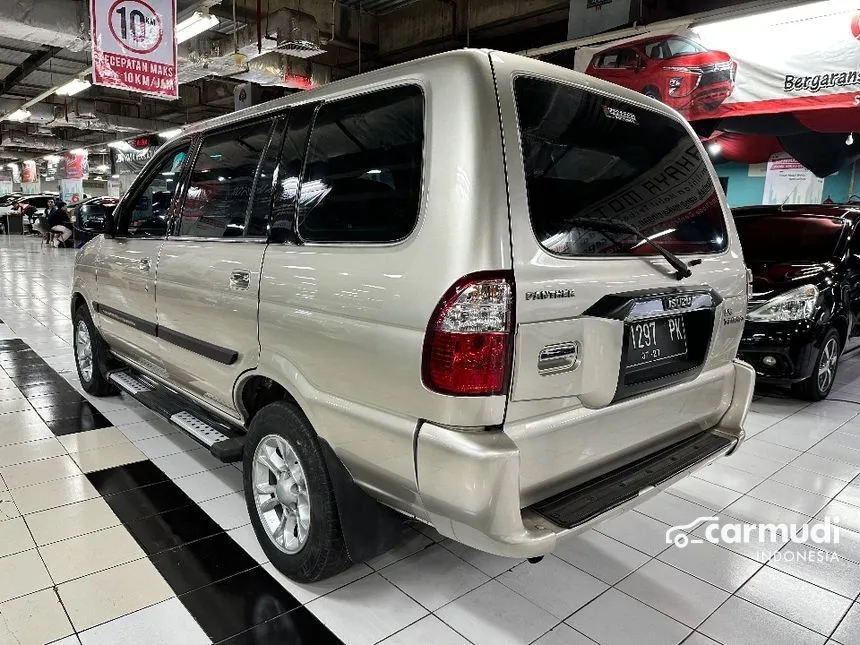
<point x="176" y="215"/>
<point x="314" y="107"/>
<point x="146" y="176"/>
<point x="607" y="94"/>
<point x="422" y="198"/>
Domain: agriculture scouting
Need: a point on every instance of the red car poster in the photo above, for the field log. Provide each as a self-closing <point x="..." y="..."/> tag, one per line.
<point x="800" y="58"/>
<point x="134" y="45"/>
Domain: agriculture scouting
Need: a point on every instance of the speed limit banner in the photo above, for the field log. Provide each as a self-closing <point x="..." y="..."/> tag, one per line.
<point x="134" y="45"/>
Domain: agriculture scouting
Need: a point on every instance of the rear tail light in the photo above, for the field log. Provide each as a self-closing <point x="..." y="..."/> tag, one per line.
<point x="468" y="346"/>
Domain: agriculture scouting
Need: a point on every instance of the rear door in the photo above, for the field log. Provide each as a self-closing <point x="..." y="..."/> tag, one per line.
<point x="600" y="316"/>
<point x="209" y="268"/>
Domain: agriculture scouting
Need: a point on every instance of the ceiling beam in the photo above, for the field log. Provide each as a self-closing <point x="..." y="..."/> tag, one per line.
<point x="30" y="64"/>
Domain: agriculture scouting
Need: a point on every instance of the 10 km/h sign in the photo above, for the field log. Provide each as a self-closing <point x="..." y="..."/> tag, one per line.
<point x="134" y="45"/>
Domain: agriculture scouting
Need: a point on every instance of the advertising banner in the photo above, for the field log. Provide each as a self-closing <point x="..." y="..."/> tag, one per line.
<point x="71" y="190"/>
<point x="130" y="160"/>
<point x="134" y="46"/>
<point x="801" y="58"/>
<point x="789" y="182"/>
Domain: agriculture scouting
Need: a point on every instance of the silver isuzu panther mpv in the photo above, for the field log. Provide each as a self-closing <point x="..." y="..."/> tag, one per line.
<point x="490" y="294"/>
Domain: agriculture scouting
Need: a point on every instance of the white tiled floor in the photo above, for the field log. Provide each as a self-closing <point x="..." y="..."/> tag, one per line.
<point x="68" y="565"/>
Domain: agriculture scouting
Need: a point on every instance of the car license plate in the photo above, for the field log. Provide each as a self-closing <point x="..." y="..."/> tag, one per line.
<point x="652" y="341"/>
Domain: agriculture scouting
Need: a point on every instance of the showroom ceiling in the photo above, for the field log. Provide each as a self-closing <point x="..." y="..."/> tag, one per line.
<point x="45" y="43"/>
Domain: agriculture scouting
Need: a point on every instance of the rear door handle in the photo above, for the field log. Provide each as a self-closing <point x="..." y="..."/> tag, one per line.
<point x="555" y="359"/>
<point x="240" y="279"/>
<point x="144" y="264"/>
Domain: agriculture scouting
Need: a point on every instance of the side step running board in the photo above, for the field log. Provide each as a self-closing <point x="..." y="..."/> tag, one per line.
<point x="225" y="442"/>
<point x="129" y="383"/>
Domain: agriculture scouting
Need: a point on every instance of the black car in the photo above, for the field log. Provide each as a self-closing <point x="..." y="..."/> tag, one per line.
<point x="89" y="217"/>
<point x="805" y="308"/>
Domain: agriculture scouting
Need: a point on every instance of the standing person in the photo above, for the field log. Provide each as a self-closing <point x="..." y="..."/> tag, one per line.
<point x="50" y="207"/>
<point x="60" y="222"/>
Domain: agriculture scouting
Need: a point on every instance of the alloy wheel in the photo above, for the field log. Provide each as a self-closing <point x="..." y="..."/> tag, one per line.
<point x="281" y="494"/>
<point x="84" y="350"/>
<point x="827" y="365"/>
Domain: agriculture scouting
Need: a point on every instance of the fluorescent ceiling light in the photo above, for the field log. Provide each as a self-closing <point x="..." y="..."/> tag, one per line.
<point x="51" y="158"/>
<point x="715" y="149"/>
<point x="73" y="87"/>
<point x="78" y="151"/>
<point x="170" y="134"/>
<point x="195" y="25"/>
<point x="102" y="168"/>
<point x="18" y="115"/>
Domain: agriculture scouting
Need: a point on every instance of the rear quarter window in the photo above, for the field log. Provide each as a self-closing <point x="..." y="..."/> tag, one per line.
<point x="591" y="156"/>
<point x="363" y="173"/>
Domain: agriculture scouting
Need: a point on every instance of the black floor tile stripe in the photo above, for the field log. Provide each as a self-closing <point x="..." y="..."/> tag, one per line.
<point x="233" y="599"/>
<point x="118" y="480"/>
<point x="59" y="405"/>
<point x="197" y="564"/>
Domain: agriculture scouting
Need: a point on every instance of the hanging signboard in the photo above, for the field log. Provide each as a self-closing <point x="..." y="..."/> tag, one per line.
<point x="800" y="58"/>
<point x="5" y="181"/>
<point x="134" y="46"/>
<point x="788" y="182"/>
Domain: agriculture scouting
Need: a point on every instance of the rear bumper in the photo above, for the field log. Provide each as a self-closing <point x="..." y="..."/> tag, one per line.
<point x="469" y="483"/>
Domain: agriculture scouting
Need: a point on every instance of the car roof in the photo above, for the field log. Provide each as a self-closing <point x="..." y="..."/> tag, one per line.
<point x="639" y="42"/>
<point x="849" y="212"/>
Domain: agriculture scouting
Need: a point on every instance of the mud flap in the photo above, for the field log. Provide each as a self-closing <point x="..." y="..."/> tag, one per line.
<point x="369" y="528"/>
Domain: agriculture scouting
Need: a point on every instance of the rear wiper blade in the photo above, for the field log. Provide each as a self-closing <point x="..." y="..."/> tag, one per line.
<point x="682" y="269"/>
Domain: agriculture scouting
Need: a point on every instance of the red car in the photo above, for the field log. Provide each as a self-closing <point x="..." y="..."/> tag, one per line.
<point x="675" y="70"/>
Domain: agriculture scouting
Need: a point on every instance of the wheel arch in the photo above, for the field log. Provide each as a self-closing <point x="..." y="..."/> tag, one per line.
<point x="78" y="300"/>
<point x="840" y="324"/>
<point x="255" y="391"/>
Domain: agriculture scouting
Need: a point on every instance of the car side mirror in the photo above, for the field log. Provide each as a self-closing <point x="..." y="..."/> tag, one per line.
<point x="103" y="224"/>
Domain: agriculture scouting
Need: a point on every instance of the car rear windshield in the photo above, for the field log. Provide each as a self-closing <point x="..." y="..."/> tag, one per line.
<point x="593" y="163"/>
<point x="788" y="238"/>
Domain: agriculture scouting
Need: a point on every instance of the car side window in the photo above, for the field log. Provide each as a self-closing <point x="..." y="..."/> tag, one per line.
<point x="362" y="176"/>
<point x="627" y="58"/>
<point x="219" y="191"/>
<point x="854" y="246"/>
<point x="148" y="210"/>
<point x="655" y="51"/>
<point x="609" y="60"/>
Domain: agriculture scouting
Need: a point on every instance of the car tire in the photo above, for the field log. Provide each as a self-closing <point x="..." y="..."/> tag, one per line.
<point x="290" y="496"/>
<point x="818" y="386"/>
<point x="652" y="93"/>
<point x="91" y="353"/>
